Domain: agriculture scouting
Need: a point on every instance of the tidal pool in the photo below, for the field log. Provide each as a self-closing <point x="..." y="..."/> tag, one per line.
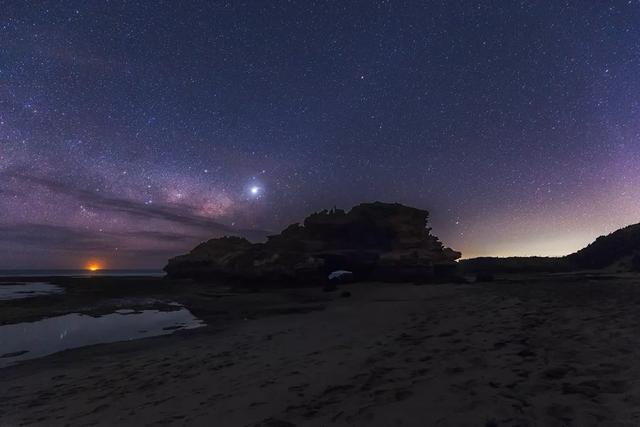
<point x="9" y="291"/>
<point x="30" y="340"/>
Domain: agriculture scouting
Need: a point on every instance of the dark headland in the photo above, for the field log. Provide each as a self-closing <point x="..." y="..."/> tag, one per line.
<point x="350" y="318"/>
<point x="379" y="242"/>
<point x="373" y="241"/>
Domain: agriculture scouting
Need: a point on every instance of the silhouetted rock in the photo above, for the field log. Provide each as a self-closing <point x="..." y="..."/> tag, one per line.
<point x="212" y="257"/>
<point x="373" y="241"/>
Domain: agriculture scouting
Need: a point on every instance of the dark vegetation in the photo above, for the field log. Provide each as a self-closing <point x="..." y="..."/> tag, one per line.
<point x="619" y="251"/>
<point x="510" y="265"/>
<point x="621" y="246"/>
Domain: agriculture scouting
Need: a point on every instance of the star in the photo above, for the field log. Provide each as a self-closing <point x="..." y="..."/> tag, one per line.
<point x="210" y="125"/>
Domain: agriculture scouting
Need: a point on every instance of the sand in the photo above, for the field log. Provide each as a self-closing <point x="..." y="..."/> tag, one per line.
<point x="545" y="351"/>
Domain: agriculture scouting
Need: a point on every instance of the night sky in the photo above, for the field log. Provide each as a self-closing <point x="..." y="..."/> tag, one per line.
<point x="130" y="131"/>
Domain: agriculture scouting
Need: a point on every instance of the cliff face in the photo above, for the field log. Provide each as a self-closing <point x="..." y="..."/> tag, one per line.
<point x="376" y="241"/>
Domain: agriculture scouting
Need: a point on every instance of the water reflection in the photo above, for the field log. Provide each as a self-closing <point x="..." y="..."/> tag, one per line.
<point x="36" y="339"/>
<point x="9" y="291"/>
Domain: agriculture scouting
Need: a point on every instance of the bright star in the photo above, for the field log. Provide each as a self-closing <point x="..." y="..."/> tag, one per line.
<point x="254" y="190"/>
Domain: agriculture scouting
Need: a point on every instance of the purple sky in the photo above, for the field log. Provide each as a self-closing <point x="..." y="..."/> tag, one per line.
<point x="130" y="131"/>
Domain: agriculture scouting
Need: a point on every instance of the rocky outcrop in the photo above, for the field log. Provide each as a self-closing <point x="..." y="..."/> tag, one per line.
<point x="374" y="241"/>
<point x="210" y="258"/>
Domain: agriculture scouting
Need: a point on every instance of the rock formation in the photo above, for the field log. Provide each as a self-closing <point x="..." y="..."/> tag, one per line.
<point x="374" y="241"/>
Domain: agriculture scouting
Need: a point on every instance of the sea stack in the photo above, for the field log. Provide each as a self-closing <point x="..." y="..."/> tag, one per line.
<point x="375" y="241"/>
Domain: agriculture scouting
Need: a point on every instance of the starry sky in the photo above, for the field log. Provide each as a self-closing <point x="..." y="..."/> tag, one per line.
<point x="132" y="130"/>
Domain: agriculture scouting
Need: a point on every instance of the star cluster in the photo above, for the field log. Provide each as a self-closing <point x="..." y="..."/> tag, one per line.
<point x="130" y="131"/>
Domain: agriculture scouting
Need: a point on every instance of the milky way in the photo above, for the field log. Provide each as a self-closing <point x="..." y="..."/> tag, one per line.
<point x="129" y="131"/>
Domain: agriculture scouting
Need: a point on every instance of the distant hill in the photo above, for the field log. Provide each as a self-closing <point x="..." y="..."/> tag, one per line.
<point x="619" y="250"/>
<point x="621" y="247"/>
<point x="532" y="264"/>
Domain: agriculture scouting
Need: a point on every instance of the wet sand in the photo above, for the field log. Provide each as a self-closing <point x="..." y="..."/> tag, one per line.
<point x="538" y="351"/>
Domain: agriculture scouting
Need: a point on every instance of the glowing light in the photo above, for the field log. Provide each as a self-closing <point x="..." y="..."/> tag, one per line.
<point x="253" y="189"/>
<point x="94" y="266"/>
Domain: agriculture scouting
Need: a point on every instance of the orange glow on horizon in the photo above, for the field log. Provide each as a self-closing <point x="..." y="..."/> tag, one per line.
<point x="93" y="266"/>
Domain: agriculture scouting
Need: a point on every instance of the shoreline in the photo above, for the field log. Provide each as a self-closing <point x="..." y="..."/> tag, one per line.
<point x="535" y="351"/>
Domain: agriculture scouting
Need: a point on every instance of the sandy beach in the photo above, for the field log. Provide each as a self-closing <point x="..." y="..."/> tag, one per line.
<point x="545" y="351"/>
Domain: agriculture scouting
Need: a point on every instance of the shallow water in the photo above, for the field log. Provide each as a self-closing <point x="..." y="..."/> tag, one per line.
<point x="30" y="340"/>
<point x="27" y="290"/>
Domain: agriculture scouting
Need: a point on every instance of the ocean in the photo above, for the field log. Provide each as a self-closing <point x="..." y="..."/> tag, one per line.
<point x="79" y="273"/>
